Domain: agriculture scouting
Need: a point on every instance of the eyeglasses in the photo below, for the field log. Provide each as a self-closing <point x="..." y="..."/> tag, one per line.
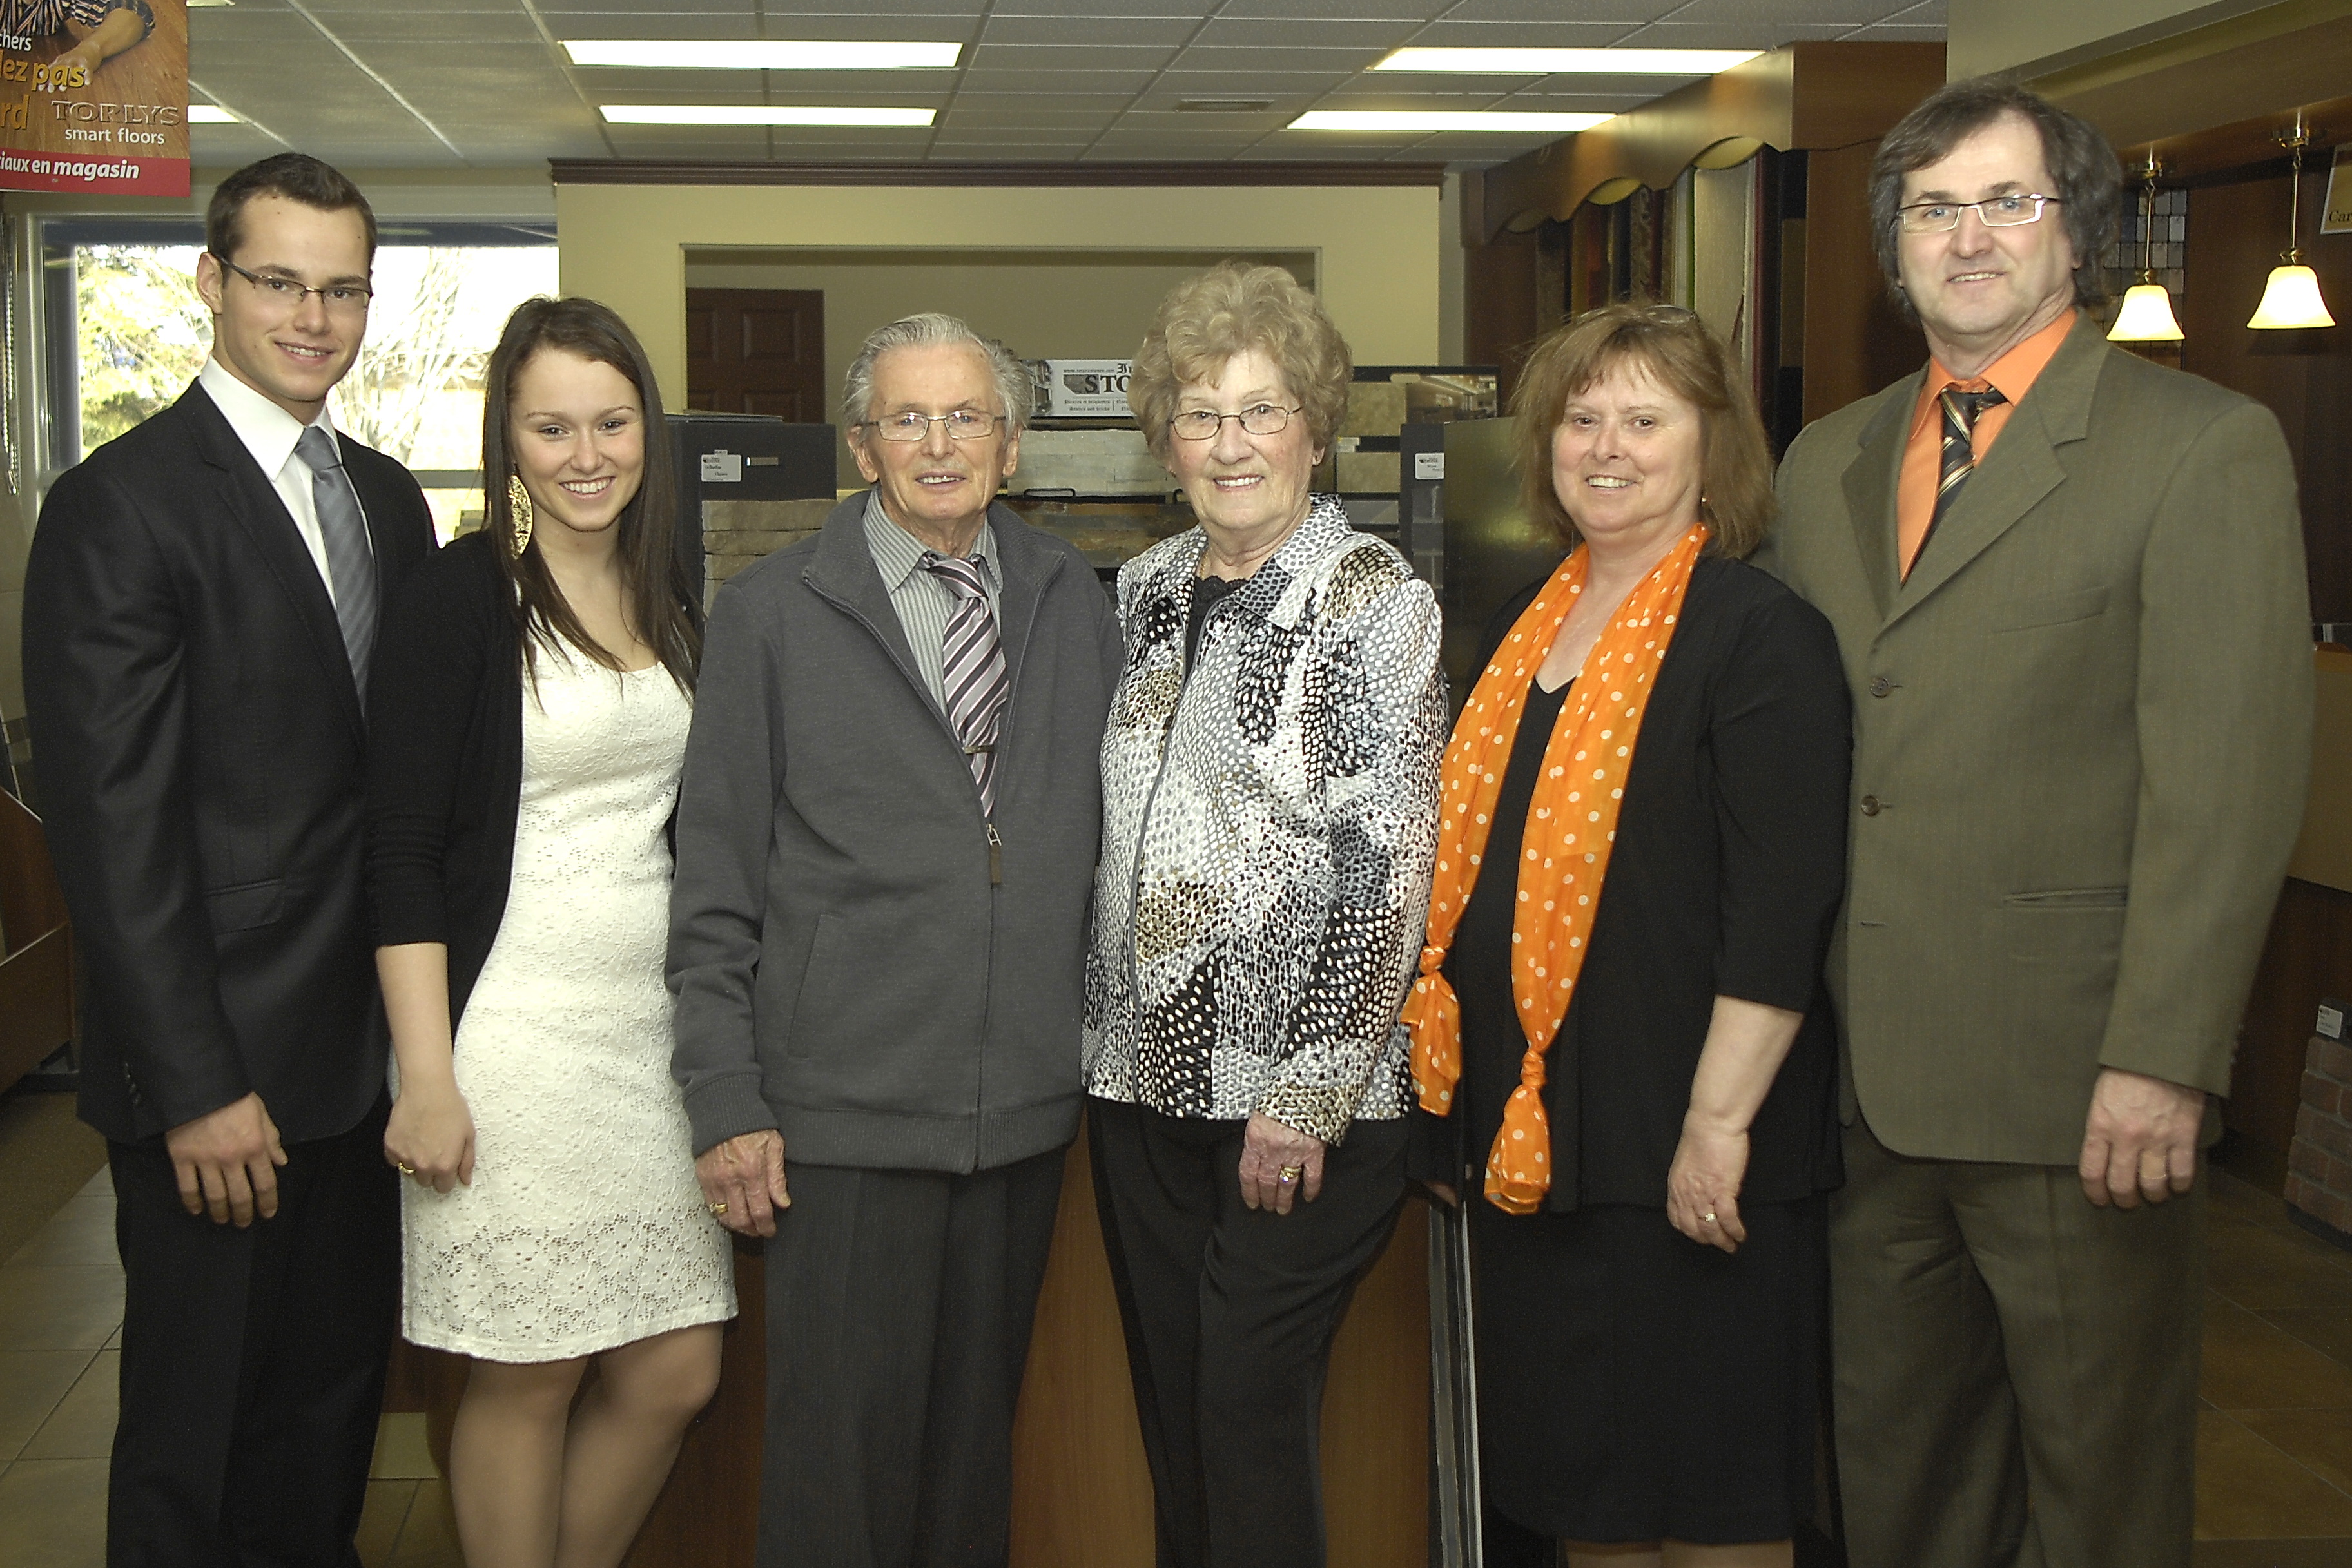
<point x="1258" y="419"/>
<point x="341" y="299"/>
<point x="963" y="424"/>
<point x="1993" y="212"/>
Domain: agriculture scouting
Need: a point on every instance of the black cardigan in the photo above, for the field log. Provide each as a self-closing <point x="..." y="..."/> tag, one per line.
<point x="1728" y="866"/>
<point x="445" y="761"/>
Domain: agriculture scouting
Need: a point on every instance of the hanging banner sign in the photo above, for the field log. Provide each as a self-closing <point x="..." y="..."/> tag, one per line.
<point x="2335" y="214"/>
<point x="94" y="96"/>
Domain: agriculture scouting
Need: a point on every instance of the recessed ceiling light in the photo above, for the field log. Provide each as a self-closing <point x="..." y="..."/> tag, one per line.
<point x="762" y="55"/>
<point x="758" y="114"/>
<point x="1512" y="124"/>
<point x="1546" y="62"/>
<point x="213" y="114"/>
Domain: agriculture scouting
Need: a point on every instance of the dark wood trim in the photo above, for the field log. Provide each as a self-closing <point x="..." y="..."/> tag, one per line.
<point x="673" y="172"/>
<point x="1805" y="95"/>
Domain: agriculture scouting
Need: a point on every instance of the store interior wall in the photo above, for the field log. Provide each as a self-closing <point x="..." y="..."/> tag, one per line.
<point x="1041" y="304"/>
<point x="2030" y="36"/>
<point x="1376" y="247"/>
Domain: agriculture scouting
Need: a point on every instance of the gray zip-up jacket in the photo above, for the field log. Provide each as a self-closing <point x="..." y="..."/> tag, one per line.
<point x="860" y="959"/>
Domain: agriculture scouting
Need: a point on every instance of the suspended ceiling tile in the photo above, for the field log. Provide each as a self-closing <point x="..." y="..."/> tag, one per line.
<point x="1330" y="62"/>
<point x="1124" y="83"/>
<point x="1167" y="31"/>
<point x="387" y="23"/>
<point x="1113" y="9"/>
<point x="1728" y="35"/>
<point x="1374" y="36"/>
<point x="1454" y="33"/>
<point x="1846" y="14"/>
<point x="1338" y="10"/>
<point x="1106" y="57"/>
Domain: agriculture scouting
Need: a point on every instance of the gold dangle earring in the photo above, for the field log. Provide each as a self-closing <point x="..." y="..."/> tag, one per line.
<point x="519" y="510"/>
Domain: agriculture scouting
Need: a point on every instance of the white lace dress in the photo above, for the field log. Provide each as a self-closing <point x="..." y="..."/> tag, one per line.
<point x="583" y="1228"/>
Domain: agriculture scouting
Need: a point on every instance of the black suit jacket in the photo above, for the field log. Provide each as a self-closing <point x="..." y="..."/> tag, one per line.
<point x="200" y="746"/>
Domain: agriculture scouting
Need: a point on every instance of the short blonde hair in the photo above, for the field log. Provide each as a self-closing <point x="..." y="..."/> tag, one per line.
<point x="1232" y="309"/>
<point x="1687" y="358"/>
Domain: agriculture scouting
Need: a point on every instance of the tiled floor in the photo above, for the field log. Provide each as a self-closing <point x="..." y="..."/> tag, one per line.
<point x="2275" y="1437"/>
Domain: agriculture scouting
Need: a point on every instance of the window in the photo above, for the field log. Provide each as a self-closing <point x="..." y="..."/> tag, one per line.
<point x="127" y="333"/>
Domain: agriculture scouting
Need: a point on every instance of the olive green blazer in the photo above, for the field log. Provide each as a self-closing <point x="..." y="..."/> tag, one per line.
<point x="2082" y="732"/>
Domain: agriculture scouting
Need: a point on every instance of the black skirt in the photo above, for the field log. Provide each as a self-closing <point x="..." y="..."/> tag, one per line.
<point x="1636" y="1386"/>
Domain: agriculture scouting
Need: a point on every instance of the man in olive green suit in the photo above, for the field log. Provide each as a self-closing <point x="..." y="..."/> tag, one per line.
<point x="2068" y="586"/>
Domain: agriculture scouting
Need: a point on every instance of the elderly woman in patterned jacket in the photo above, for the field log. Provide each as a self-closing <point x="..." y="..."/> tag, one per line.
<point x="1270" y="809"/>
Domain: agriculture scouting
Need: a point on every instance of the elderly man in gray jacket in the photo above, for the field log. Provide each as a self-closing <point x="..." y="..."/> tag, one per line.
<point x="885" y="841"/>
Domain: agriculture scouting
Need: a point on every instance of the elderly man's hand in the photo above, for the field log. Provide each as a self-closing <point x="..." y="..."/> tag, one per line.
<point x="1268" y="1149"/>
<point x="2141" y="1139"/>
<point x="743" y="1181"/>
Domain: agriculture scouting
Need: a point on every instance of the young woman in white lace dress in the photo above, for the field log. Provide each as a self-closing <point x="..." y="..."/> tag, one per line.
<point x="528" y="712"/>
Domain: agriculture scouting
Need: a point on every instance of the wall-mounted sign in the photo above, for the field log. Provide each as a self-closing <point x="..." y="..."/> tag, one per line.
<point x="94" y="96"/>
<point x="2335" y="214"/>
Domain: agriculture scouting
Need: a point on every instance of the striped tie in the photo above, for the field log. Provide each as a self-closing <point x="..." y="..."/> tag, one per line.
<point x="351" y="562"/>
<point x="972" y="670"/>
<point x="1961" y="410"/>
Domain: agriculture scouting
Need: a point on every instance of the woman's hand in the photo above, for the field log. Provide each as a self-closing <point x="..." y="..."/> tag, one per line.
<point x="743" y="1181"/>
<point x="430" y="1138"/>
<point x="1703" y="1183"/>
<point x="1269" y="1148"/>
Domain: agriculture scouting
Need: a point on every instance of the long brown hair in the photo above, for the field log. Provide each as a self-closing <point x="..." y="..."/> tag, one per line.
<point x="663" y="606"/>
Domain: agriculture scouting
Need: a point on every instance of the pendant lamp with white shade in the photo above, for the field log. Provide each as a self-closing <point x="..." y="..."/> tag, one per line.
<point x="2292" y="299"/>
<point x="2146" y="313"/>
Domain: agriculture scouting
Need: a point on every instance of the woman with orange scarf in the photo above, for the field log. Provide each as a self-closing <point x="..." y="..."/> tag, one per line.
<point x="1620" y="1014"/>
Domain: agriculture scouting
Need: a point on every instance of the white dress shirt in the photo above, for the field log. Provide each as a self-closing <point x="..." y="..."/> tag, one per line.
<point x="270" y="432"/>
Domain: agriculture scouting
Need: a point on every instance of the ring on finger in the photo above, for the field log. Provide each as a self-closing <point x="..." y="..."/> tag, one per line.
<point x="716" y="1208"/>
<point x="402" y="1168"/>
<point x="1708" y="1217"/>
<point x="1292" y="1172"/>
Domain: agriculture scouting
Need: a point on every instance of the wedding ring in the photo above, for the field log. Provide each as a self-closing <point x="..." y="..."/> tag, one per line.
<point x="405" y="1170"/>
<point x="716" y="1208"/>
<point x="1708" y="1217"/>
<point x="1292" y="1172"/>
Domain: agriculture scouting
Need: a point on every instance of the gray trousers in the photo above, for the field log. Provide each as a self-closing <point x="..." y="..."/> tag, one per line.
<point x="2016" y="1367"/>
<point x="898" y="1311"/>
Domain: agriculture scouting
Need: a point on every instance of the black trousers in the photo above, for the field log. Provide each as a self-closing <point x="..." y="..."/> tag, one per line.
<point x="252" y="1360"/>
<point x="898" y="1311"/>
<point x="1229" y="1314"/>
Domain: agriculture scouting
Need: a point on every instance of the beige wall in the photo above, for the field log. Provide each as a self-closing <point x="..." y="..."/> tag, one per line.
<point x="1375" y="248"/>
<point x="2034" y="36"/>
<point x="1061" y="305"/>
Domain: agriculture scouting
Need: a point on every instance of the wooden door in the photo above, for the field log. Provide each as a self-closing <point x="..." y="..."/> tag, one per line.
<point x="757" y="351"/>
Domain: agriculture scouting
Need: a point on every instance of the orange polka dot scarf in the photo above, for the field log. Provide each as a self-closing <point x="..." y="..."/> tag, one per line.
<point x="1571" y="827"/>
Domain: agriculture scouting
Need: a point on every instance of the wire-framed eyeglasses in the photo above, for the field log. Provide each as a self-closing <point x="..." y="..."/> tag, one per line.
<point x="963" y="424"/>
<point x="1258" y="419"/>
<point x="342" y="298"/>
<point x="1993" y="212"/>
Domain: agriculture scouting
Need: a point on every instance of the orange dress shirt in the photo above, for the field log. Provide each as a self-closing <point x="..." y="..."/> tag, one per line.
<point x="2013" y="373"/>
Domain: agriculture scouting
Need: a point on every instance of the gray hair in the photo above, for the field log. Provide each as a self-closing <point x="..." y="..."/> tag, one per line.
<point x="931" y="328"/>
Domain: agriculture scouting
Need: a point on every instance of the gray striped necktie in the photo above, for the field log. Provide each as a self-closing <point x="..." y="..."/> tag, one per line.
<point x="350" y="563"/>
<point x="1962" y="411"/>
<point x="971" y="674"/>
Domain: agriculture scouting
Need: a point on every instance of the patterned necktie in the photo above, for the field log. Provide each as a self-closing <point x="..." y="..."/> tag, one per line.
<point x="350" y="563"/>
<point x="1961" y="410"/>
<point x="972" y="670"/>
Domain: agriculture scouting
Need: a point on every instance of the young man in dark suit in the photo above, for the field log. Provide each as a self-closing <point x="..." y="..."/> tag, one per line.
<point x="201" y="603"/>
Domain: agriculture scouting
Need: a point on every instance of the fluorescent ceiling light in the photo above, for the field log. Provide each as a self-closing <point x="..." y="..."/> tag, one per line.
<point x="1546" y="62"/>
<point x="212" y="114"/>
<point x="1517" y="124"/>
<point x="758" y="114"/>
<point x="765" y="55"/>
